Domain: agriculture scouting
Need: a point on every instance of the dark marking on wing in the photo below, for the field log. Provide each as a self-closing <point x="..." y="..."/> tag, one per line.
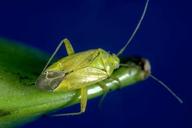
<point x="50" y="80"/>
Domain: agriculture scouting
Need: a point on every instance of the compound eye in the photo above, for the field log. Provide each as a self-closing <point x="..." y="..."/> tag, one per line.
<point x="49" y="80"/>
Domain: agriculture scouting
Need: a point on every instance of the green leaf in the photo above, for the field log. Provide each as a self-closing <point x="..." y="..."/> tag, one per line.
<point x="21" y="101"/>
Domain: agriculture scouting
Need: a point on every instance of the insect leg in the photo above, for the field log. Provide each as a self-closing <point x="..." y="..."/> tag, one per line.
<point x="105" y="91"/>
<point x="69" y="50"/>
<point x="116" y="79"/>
<point x="68" y="46"/>
<point x="83" y="104"/>
<point x="83" y="99"/>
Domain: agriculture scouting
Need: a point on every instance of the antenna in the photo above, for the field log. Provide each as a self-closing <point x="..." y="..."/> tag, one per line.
<point x="136" y="29"/>
<point x="166" y="87"/>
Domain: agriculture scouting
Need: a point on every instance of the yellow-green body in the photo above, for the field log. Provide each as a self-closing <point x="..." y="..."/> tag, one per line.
<point x="84" y="68"/>
<point x="77" y="71"/>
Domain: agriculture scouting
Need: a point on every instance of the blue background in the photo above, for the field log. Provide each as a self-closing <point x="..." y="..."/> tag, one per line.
<point x="164" y="38"/>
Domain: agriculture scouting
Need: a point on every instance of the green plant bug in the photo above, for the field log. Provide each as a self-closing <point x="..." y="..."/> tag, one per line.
<point x="79" y="70"/>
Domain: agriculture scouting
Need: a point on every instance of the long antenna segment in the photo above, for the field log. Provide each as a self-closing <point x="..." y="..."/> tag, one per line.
<point x="166" y="87"/>
<point x="136" y="29"/>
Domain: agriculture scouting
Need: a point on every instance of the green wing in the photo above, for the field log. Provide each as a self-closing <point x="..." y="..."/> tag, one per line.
<point x="81" y="78"/>
<point x="74" y="62"/>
